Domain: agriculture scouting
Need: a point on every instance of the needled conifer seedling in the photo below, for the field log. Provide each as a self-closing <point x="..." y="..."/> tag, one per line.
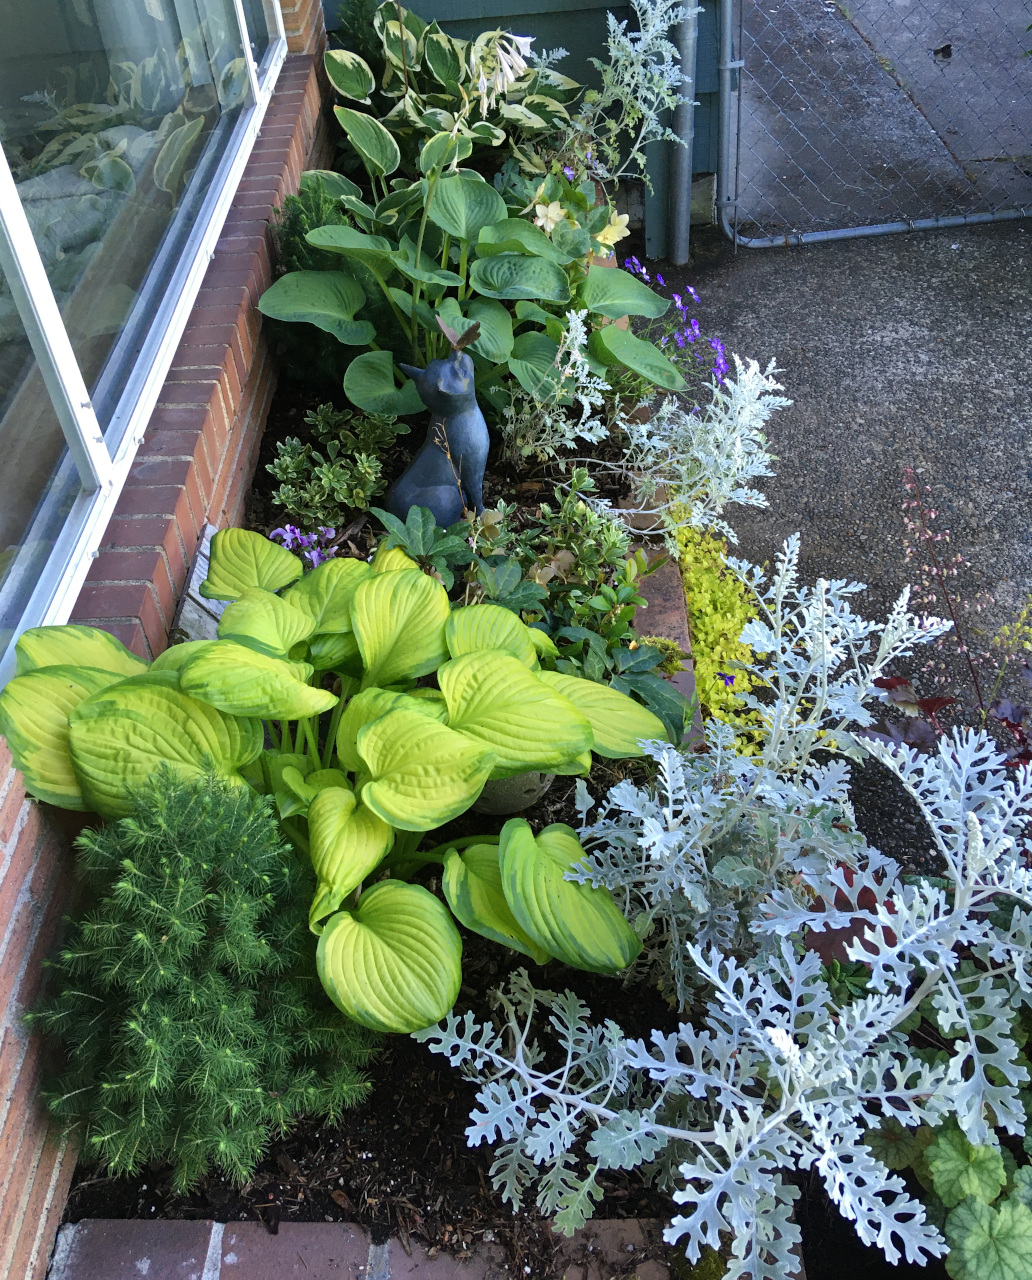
<point x="186" y="995"/>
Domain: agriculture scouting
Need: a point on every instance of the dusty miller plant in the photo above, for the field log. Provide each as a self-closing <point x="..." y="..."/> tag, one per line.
<point x="565" y="406"/>
<point x="641" y="79"/>
<point x="686" y="464"/>
<point x="774" y="1075"/>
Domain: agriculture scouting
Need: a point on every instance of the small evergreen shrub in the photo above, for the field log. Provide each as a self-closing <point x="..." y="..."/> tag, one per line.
<point x="186" y="995"/>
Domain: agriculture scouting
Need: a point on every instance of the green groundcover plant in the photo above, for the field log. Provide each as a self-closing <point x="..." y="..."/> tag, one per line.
<point x="186" y="995"/>
<point x="372" y="713"/>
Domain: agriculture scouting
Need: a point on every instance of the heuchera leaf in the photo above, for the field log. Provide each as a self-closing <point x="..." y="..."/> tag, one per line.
<point x="242" y="682"/>
<point x="580" y="925"/>
<point x="240" y="559"/>
<point x="394" y="963"/>
<point x="399" y="620"/>
<point x="34" y="711"/>
<point x="119" y="736"/>
<point x="76" y="646"/>
<point x="960" y="1169"/>
<point x="472" y="883"/>
<point x="423" y="773"/>
<point x="618" y="723"/>
<point x="346" y="844"/>
<point x="264" y="622"/>
<point x="987" y="1243"/>
<point x="496" y="700"/>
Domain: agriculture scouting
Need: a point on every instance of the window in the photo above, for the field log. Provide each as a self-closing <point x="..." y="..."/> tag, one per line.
<point x="125" y="126"/>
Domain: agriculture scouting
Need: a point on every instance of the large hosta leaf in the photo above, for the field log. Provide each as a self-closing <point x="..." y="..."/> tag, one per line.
<point x="613" y="345"/>
<point x="517" y="235"/>
<point x="614" y="293"/>
<point x="370" y="705"/>
<point x="346" y="843"/>
<point x="618" y="723"/>
<point x="472" y="883"/>
<point x="394" y="963"/>
<point x="242" y="682"/>
<point x="388" y="559"/>
<point x="533" y="364"/>
<point x="326" y="593"/>
<point x="579" y="925"/>
<point x="327" y="299"/>
<point x="34" y="711"/>
<point x="349" y="74"/>
<point x="242" y="559"/>
<point x="489" y="626"/>
<point x="463" y="206"/>
<point x="399" y="619"/>
<point x="495" y="341"/>
<point x="496" y="700"/>
<point x="517" y="275"/>
<point x="118" y="737"/>
<point x="74" y="645"/>
<point x="423" y="773"/>
<point x="371" y="140"/>
<point x="264" y="622"/>
<point x="369" y="385"/>
<point x="374" y="252"/>
<point x="335" y="651"/>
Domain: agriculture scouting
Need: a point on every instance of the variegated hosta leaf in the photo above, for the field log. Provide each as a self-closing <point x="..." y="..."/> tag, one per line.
<point x="240" y="559"/>
<point x="264" y="622"/>
<point x="347" y="842"/>
<point x="119" y="736"/>
<point x="399" y="617"/>
<point x="73" y="645"/>
<point x="370" y="705"/>
<point x="618" y="723"/>
<point x="335" y="651"/>
<point x="394" y="963"/>
<point x="326" y="593"/>
<point x="489" y="626"/>
<point x="34" y="711"/>
<point x="277" y="763"/>
<point x="496" y="700"/>
<point x="472" y="883"/>
<point x="578" y="924"/>
<point x="391" y="560"/>
<point x="423" y="773"/>
<point x="177" y="655"/>
<point x="243" y="682"/>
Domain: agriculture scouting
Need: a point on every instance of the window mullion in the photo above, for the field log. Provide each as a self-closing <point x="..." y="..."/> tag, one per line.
<point x="245" y="40"/>
<point x="39" y="313"/>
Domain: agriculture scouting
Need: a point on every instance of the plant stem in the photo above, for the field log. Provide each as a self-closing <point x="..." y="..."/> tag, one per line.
<point x="331" y="733"/>
<point x="286" y="741"/>
<point x="312" y="740"/>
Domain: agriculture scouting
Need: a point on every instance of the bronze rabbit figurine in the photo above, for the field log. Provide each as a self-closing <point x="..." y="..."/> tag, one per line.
<point x="447" y="474"/>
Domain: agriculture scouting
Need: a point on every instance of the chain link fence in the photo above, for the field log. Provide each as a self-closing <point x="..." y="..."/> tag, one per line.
<point x="868" y="116"/>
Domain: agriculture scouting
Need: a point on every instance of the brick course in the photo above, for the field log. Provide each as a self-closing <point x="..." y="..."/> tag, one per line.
<point x="193" y="466"/>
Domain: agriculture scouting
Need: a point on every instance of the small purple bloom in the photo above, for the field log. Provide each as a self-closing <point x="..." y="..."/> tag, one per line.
<point x="728" y="680"/>
<point x="677" y="301"/>
<point x="660" y="280"/>
<point x="692" y="292"/>
<point x="568" y="172"/>
<point x="697" y="331"/>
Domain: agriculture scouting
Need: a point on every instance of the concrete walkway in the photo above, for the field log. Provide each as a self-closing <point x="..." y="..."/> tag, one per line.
<point x="900" y="350"/>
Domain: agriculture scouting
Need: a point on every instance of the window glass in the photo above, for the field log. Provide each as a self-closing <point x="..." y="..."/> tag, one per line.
<point x="257" y="28"/>
<point x="114" y="115"/>
<point x="38" y="482"/>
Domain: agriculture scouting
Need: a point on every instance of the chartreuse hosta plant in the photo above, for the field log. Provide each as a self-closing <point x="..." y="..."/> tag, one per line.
<point x="740" y="865"/>
<point x="359" y="771"/>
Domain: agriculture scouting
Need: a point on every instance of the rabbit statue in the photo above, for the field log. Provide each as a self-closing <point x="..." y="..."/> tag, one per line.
<point x="447" y="474"/>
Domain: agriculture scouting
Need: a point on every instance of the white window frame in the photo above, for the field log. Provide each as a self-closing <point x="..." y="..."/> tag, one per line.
<point x="102" y="458"/>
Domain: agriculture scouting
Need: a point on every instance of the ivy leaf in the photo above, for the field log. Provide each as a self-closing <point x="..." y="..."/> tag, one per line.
<point x="960" y="1169"/>
<point x="987" y="1243"/>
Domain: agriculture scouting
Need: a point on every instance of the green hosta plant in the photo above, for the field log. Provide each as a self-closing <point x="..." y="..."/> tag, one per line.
<point x="372" y="713"/>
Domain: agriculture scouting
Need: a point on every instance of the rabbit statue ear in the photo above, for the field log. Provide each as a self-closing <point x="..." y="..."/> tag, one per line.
<point x="411" y="370"/>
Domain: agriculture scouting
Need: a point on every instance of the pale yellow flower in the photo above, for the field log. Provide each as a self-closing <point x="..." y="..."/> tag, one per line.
<point x="549" y="216"/>
<point x="614" y="230"/>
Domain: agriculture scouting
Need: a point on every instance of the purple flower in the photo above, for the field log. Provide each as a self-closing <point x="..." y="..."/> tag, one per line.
<point x="568" y="172"/>
<point x="289" y="535"/>
<point x="728" y="680"/>
<point x="692" y="292"/>
<point x="696" y="331"/>
<point x="660" y="280"/>
<point x="677" y="301"/>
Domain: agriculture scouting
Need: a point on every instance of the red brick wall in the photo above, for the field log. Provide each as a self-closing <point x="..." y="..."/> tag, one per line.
<point x="194" y="465"/>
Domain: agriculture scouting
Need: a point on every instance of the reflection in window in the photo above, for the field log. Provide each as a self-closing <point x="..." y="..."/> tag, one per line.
<point x="38" y="482"/>
<point x="113" y="116"/>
